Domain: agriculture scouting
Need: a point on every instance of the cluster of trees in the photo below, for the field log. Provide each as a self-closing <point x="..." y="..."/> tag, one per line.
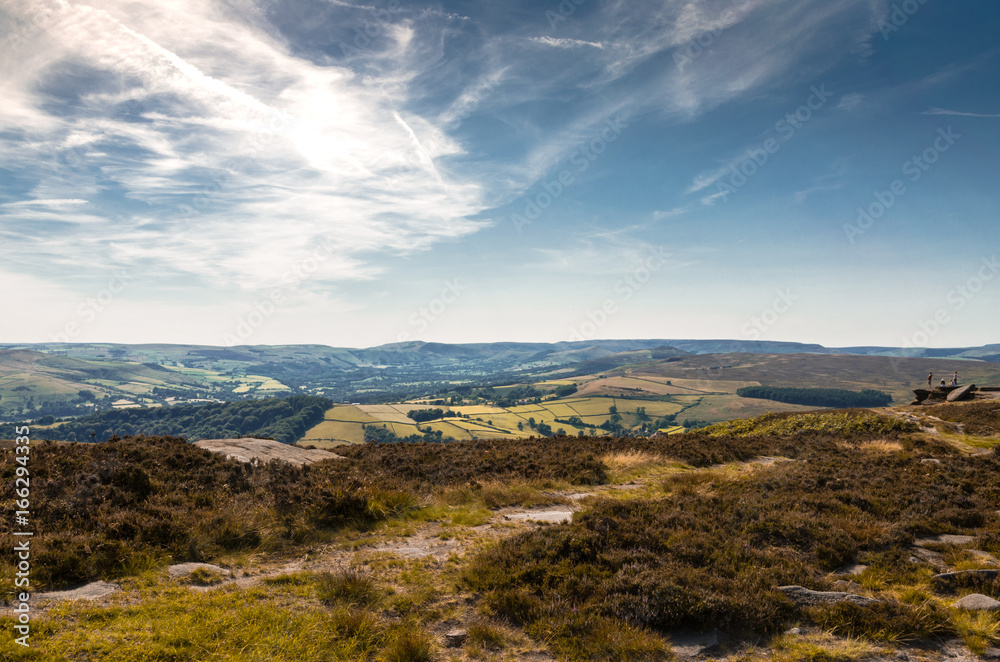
<point x="424" y="415"/>
<point x="383" y="435"/>
<point x="285" y="420"/>
<point x="563" y="391"/>
<point x="512" y="396"/>
<point x="818" y="397"/>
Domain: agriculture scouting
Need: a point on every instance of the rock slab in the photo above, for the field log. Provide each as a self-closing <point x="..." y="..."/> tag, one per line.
<point x="264" y="450"/>
<point x="977" y="602"/>
<point x="182" y="569"/>
<point x="804" y="597"/>
<point x="92" y="591"/>
<point x="962" y="393"/>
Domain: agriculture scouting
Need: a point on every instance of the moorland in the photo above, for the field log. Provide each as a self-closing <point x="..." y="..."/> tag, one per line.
<point x="570" y="548"/>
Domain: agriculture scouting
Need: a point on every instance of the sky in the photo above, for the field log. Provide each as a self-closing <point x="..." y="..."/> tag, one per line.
<point x="348" y="173"/>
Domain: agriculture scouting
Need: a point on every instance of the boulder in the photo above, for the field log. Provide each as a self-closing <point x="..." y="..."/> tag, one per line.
<point x="804" y="597"/>
<point x="962" y="393"/>
<point x="92" y="591"/>
<point x="182" y="569"/>
<point x="977" y="602"/>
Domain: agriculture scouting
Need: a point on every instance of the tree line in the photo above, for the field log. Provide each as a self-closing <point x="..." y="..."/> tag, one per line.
<point x="818" y="397"/>
<point x="285" y="420"/>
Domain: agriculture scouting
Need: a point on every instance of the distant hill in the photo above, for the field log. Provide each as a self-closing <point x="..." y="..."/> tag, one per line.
<point x="71" y="379"/>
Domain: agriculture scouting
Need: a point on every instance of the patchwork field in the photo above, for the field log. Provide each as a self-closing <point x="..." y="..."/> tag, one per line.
<point x="345" y="423"/>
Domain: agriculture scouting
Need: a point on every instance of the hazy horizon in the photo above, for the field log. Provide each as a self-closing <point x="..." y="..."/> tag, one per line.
<point x="352" y="174"/>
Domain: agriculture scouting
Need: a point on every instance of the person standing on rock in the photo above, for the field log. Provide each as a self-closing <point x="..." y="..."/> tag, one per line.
<point x="930" y="376"/>
<point x="954" y="379"/>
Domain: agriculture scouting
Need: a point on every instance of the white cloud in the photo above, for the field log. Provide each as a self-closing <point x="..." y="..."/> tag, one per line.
<point x="670" y="213"/>
<point x="850" y="101"/>
<point x="942" y="111"/>
<point x="246" y="155"/>
<point x="45" y="203"/>
<point x="566" y="43"/>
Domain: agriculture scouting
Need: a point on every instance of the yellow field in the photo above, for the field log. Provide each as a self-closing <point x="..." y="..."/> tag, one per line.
<point x="506" y="420"/>
<point x="349" y="413"/>
<point x="526" y="409"/>
<point x="336" y="431"/>
<point x="385" y="413"/>
<point x="591" y="406"/>
<point x="449" y="429"/>
<point x="561" y="410"/>
<point x="477" y="410"/>
<point x="402" y="429"/>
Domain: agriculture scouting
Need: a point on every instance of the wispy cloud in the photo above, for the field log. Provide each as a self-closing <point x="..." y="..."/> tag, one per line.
<point x="221" y="142"/>
<point x="851" y="101"/>
<point x="245" y="155"/>
<point x="566" y="43"/>
<point x="943" y="111"/>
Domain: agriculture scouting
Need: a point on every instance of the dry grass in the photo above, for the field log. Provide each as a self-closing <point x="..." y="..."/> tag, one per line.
<point x="877" y="445"/>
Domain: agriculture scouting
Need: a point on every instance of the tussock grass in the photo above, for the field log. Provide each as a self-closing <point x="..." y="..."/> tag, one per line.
<point x="348" y="586"/>
<point x="485" y="635"/>
<point x="228" y="624"/>
<point x="819" y="647"/>
<point x="978" y="630"/>
<point x="879" y="446"/>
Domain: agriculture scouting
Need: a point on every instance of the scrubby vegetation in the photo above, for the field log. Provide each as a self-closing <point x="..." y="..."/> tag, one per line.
<point x="283" y="419"/>
<point x="712" y="550"/>
<point x="818" y="397"/>
<point x="842" y="422"/>
<point x="703" y="541"/>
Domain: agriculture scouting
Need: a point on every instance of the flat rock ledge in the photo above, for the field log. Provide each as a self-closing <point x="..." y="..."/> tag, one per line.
<point x="977" y="602"/>
<point x="929" y="396"/>
<point x="183" y="569"/>
<point x="92" y="591"/>
<point x="804" y="597"/>
<point x="248" y="450"/>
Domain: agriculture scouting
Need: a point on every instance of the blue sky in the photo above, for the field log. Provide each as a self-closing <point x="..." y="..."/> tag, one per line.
<point x="351" y="174"/>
